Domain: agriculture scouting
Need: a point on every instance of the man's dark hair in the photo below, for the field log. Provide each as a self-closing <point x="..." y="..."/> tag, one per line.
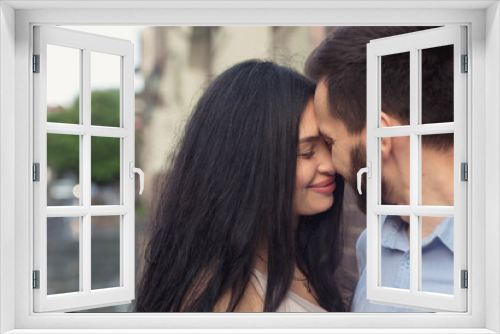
<point x="340" y="60"/>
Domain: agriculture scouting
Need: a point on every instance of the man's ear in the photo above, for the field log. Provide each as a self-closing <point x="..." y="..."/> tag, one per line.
<point x="386" y="120"/>
<point x="386" y="142"/>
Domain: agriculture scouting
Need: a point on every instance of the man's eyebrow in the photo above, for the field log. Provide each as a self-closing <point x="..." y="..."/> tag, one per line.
<point x="324" y="135"/>
<point x="308" y="139"/>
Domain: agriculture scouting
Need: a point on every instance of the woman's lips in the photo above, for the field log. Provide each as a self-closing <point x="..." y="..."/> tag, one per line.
<point x="324" y="187"/>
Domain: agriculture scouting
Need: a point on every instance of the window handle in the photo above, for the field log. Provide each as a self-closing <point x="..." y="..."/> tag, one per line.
<point x="141" y="175"/>
<point x="368" y="171"/>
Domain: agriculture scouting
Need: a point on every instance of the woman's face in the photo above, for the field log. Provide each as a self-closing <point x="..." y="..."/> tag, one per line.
<point x="315" y="178"/>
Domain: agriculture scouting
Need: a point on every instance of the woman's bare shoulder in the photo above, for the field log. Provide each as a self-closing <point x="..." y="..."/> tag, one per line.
<point x="250" y="302"/>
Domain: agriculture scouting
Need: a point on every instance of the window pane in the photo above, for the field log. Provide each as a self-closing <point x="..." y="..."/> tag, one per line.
<point x="395" y="83"/>
<point x="105" y="86"/>
<point x="63" y="169"/>
<point x="437" y="254"/>
<point x="105" y="252"/>
<point x="437" y="170"/>
<point x="395" y="253"/>
<point x="395" y="168"/>
<point x="105" y="170"/>
<point x="437" y="85"/>
<point x="63" y="255"/>
<point x="63" y="84"/>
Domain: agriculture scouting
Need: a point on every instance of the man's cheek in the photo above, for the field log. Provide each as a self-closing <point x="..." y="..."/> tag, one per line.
<point x="339" y="163"/>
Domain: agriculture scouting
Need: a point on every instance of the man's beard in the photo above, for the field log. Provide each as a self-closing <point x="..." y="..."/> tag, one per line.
<point x="358" y="161"/>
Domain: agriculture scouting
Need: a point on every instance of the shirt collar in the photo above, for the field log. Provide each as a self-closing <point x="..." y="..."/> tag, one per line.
<point x="394" y="233"/>
<point x="444" y="231"/>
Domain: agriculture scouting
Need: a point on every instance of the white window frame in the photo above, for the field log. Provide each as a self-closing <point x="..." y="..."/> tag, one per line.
<point x="123" y="50"/>
<point x="413" y="43"/>
<point x="16" y="21"/>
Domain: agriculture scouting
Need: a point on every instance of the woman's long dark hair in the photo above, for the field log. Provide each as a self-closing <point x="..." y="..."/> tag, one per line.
<point x="230" y="187"/>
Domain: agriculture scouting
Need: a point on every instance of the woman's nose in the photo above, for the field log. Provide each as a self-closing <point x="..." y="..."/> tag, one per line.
<point x="326" y="165"/>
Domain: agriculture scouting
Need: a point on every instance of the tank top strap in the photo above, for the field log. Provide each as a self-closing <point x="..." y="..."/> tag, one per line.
<point x="259" y="281"/>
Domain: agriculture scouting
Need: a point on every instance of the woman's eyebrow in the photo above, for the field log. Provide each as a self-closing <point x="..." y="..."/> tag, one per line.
<point x="308" y="139"/>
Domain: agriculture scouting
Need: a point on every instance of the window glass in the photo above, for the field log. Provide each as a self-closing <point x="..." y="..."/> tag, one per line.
<point x="437" y="254"/>
<point x="105" y="252"/>
<point x="395" y="165"/>
<point x="395" y="68"/>
<point x="63" y="170"/>
<point x="434" y="181"/>
<point x="395" y="253"/>
<point x="437" y="95"/>
<point x="105" y="85"/>
<point x="63" y="84"/>
<point x="105" y="171"/>
<point x="63" y="255"/>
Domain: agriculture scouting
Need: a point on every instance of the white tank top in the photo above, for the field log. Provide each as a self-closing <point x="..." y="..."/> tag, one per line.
<point x="292" y="301"/>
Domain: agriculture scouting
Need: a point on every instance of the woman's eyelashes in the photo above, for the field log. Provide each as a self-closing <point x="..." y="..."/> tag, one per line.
<point x="307" y="154"/>
<point x="309" y="151"/>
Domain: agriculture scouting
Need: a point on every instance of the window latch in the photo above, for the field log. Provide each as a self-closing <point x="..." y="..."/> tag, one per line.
<point x="368" y="171"/>
<point x="133" y="170"/>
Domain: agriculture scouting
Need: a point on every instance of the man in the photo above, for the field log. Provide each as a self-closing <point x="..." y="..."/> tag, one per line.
<point x="338" y="66"/>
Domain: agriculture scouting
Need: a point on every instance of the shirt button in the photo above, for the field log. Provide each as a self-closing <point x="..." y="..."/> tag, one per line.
<point x="407" y="263"/>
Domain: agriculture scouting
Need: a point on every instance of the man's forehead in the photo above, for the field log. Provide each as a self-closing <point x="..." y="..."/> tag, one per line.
<point x="322" y="91"/>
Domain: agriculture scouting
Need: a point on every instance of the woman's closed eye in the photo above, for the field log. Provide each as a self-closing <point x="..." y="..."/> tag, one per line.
<point x="307" y="154"/>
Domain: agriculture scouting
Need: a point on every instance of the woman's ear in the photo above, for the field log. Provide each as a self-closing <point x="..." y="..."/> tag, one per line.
<point x="386" y="142"/>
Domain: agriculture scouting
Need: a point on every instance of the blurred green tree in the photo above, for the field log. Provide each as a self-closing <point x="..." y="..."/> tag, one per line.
<point x="63" y="150"/>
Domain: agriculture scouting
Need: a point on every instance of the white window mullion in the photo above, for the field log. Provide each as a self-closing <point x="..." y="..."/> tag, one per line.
<point x="395" y="210"/>
<point x="85" y="162"/>
<point x="127" y="246"/>
<point x="421" y="129"/>
<point x="123" y="177"/>
<point x="85" y="255"/>
<point x="67" y="129"/>
<point x="373" y="106"/>
<point x="102" y="131"/>
<point x="415" y="242"/>
<point x="393" y="131"/>
<point x="96" y="210"/>
<point x="80" y="130"/>
<point x="433" y="129"/>
<point x="404" y="210"/>
<point x="85" y="167"/>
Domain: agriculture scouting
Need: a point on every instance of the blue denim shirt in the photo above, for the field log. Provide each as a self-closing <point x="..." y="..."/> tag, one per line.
<point x="437" y="262"/>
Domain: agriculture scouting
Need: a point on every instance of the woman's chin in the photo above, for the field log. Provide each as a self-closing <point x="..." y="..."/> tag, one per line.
<point x="318" y="207"/>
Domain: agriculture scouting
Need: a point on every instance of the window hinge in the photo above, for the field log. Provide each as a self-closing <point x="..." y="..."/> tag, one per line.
<point x="464" y="172"/>
<point x="36" y="63"/>
<point x="465" y="279"/>
<point x="36" y="279"/>
<point x="465" y="64"/>
<point x="36" y="172"/>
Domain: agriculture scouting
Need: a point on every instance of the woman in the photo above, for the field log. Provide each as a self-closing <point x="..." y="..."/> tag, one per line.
<point x="244" y="219"/>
